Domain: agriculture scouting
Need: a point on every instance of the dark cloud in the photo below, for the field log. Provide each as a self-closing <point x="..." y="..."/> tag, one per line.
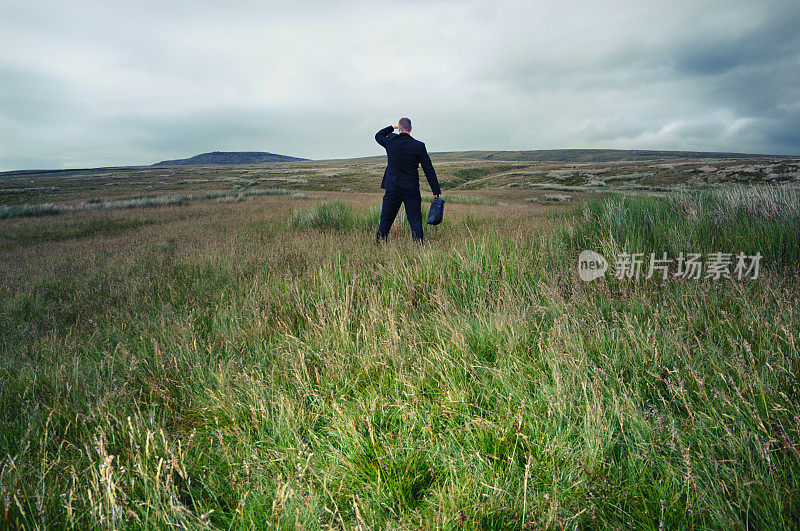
<point x="774" y="39"/>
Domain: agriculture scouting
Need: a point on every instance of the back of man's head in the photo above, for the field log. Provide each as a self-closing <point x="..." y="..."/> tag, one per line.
<point x="404" y="124"/>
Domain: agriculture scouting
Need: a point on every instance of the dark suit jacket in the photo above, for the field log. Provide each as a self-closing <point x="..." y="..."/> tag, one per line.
<point x="405" y="154"/>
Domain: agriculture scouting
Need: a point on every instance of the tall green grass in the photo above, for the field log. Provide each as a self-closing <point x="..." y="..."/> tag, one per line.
<point x="334" y="215"/>
<point x="476" y="383"/>
<point x="749" y="220"/>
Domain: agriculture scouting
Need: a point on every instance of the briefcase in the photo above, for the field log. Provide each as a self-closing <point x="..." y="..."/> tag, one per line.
<point x="436" y="212"/>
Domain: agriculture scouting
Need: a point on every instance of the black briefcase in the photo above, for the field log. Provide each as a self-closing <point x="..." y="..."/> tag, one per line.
<point x="436" y="212"/>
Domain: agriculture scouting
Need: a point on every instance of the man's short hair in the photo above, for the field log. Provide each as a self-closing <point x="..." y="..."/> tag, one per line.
<point x="404" y="124"/>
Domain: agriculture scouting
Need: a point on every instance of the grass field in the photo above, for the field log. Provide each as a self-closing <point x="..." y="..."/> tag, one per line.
<point x="253" y="360"/>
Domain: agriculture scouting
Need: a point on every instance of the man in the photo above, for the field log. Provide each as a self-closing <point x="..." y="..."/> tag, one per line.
<point x="401" y="178"/>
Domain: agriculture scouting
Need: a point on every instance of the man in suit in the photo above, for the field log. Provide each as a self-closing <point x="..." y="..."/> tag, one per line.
<point x="401" y="177"/>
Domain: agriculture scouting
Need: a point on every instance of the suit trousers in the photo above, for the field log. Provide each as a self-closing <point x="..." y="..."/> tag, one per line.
<point x="392" y="200"/>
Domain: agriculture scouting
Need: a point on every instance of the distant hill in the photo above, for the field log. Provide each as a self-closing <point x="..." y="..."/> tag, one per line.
<point x="595" y="155"/>
<point x="229" y="157"/>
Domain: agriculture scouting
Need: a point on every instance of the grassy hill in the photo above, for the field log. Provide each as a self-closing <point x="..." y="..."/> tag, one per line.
<point x="464" y="172"/>
<point x="598" y="155"/>
<point x="229" y="157"/>
<point x="225" y="347"/>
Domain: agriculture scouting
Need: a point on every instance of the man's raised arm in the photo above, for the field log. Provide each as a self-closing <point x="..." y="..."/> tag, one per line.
<point x="383" y="134"/>
<point x="430" y="173"/>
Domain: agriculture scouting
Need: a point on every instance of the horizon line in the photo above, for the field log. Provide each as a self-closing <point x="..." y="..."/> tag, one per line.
<point x="736" y="154"/>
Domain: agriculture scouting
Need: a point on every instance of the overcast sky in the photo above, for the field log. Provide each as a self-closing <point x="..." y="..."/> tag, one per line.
<point x="86" y="84"/>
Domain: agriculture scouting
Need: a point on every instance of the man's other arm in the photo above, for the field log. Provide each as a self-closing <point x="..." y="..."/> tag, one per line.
<point x="430" y="173"/>
<point x="383" y="135"/>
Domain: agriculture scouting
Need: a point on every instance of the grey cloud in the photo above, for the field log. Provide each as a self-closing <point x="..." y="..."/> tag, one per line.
<point x="29" y="97"/>
<point x="775" y="39"/>
<point x="97" y="84"/>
